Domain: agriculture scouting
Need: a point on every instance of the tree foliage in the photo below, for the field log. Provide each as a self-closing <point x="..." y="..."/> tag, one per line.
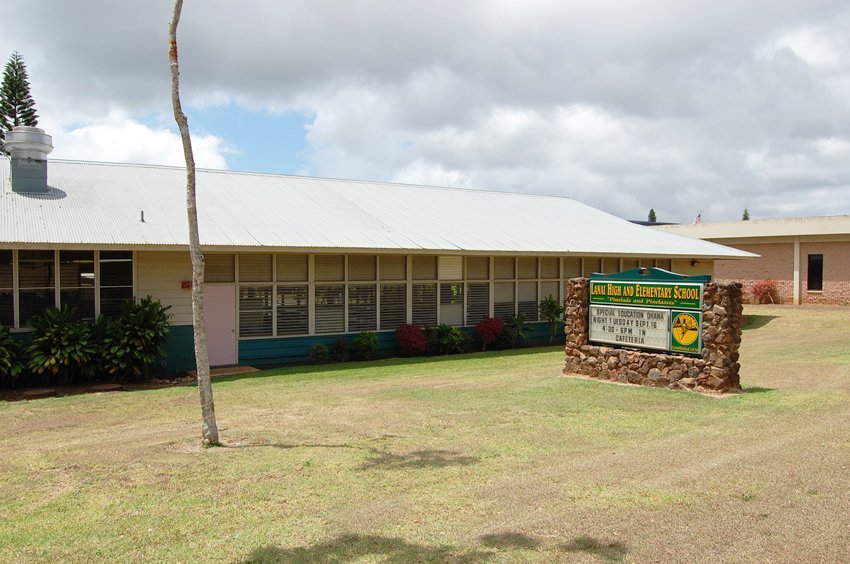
<point x="16" y="104"/>
<point x="746" y="216"/>
<point x="553" y="312"/>
<point x="651" y="216"/>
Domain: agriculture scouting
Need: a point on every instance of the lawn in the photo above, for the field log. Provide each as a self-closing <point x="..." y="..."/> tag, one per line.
<point x="471" y="458"/>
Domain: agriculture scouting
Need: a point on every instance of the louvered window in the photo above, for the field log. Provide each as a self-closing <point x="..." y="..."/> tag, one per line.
<point x="255" y="311"/>
<point x="255" y="268"/>
<point x="549" y="267"/>
<point x="477" y="302"/>
<point x="450" y="268"/>
<point x="362" y="307"/>
<point x="425" y="304"/>
<point x="36" y="283"/>
<point x="219" y="268"/>
<point x="610" y="265"/>
<point x="76" y="282"/>
<point x="572" y="267"/>
<point x="630" y="263"/>
<point x="292" y="310"/>
<point x="591" y="265"/>
<point x="503" y="268"/>
<point x="527" y="300"/>
<point x="330" y="308"/>
<point x="424" y="268"/>
<point x="393" y="267"/>
<point x="116" y="281"/>
<point x="527" y="267"/>
<point x="451" y="303"/>
<point x="361" y="267"/>
<point x="291" y="268"/>
<point x="549" y="289"/>
<point x="393" y="305"/>
<point x="477" y="268"/>
<point x="503" y="300"/>
<point x="7" y="296"/>
<point x="330" y="268"/>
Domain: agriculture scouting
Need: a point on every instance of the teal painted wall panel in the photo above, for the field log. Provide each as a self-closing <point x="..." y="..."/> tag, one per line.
<point x="179" y="350"/>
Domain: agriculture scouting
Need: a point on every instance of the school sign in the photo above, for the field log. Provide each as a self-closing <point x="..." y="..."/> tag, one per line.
<point x="647" y="308"/>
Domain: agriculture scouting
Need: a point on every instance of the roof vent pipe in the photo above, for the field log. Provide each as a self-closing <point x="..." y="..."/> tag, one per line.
<point x="28" y="148"/>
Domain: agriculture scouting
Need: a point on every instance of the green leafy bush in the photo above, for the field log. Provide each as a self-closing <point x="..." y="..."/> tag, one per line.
<point x="445" y="339"/>
<point x="516" y="329"/>
<point x="133" y="341"/>
<point x="12" y="358"/>
<point x="340" y="351"/>
<point x="553" y="312"/>
<point x="61" y="347"/>
<point x="364" y="346"/>
<point x="411" y="340"/>
<point x="319" y="353"/>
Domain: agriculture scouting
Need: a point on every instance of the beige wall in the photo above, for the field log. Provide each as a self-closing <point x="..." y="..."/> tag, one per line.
<point x="159" y="274"/>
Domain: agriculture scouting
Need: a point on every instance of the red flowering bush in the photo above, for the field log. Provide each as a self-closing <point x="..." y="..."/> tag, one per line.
<point x="764" y="292"/>
<point x="411" y="340"/>
<point x="489" y="330"/>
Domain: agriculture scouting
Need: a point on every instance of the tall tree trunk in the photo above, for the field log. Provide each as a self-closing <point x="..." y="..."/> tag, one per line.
<point x="209" y="429"/>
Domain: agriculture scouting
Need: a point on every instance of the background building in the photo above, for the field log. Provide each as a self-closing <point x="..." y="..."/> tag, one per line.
<point x="807" y="257"/>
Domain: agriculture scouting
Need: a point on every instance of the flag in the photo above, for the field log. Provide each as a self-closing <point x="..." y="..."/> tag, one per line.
<point x="698" y="218"/>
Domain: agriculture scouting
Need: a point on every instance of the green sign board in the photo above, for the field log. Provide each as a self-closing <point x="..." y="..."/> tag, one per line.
<point x="682" y="295"/>
<point x="617" y="299"/>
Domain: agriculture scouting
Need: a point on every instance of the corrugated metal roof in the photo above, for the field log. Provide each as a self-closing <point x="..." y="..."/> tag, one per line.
<point x="101" y="204"/>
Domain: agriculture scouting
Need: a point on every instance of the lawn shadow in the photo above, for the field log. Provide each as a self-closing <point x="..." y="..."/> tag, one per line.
<point x="418" y="459"/>
<point x="289" y="445"/>
<point x="590" y="545"/>
<point x="758" y="390"/>
<point x="509" y="540"/>
<point x="351" y="547"/>
<point x="756" y="321"/>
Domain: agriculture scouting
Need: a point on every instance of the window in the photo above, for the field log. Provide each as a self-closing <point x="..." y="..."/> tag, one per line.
<point x="291" y="268"/>
<point x="477" y="302"/>
<point x="361" y="267"/>
<point x="425" y="304"/>
<point x="116" y="281"/>
<point x="76" y="282"/>
<point x="477" y="268"/>
<point x="503" y="267"/>
<point x="527" y="300"/>
<point x="362" y="310"/>
<point x="255" y="268"/>
<point x="36" y="283"/>
<point x="393" y="267"/>
<point x="451" y="303"/>
<point x="7" y="295"/>
<point x="330" y="308"/>
<point x="255" y="311"/>
<point x="549" y="268"/>
<point x="424" y="268"/>
<point x="503" y="300"/>
<point x="219" y="268"/>
<point x="572" y="267"/>
<point x="526" y="267"/>
<point x="393" y="305"/>
<point x="292" y="310"/>
<point x="815" y="273"/>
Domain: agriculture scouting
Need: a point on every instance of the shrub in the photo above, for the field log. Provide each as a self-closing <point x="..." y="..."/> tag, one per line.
<point x="553" y="312"/>
<point x="411" y="340"/>
<point x="516" y="329"/>
<point x="340" y="351"/>
<point x="364" y="346"/>
<point x="319" y="353"/>
<point x="12" y="359"/>
<point x="60" y="346"/>
<point x="764" y="291"/>
<point x="489" y="330"/>
<point x="445" y="339"/>
<point x="134" y="340"/>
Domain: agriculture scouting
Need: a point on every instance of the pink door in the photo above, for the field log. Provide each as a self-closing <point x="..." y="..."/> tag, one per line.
<point x="220" y="310"/>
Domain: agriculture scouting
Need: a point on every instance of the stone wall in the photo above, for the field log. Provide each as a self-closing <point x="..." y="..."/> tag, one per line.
<point x="715" y="371"/>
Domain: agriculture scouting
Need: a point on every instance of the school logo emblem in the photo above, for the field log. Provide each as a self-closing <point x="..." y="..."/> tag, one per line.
<point x="685" y="331"/>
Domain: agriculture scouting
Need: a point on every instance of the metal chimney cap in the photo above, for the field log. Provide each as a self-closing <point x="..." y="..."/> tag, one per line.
<point x="26" y="142"/>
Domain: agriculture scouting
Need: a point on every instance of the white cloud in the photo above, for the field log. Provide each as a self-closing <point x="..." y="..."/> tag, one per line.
<point x="120" y="139"/>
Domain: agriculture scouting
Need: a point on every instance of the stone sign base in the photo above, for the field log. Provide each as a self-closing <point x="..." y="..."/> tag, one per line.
<point x="716" y="370"/>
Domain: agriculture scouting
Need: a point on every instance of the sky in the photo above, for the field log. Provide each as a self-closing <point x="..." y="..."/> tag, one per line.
<point x="690" y="107"/>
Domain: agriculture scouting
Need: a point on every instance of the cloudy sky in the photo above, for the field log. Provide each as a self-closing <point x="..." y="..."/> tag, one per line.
<point x="680" y="106"/>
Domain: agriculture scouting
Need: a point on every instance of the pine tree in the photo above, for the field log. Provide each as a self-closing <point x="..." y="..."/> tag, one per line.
<point x="746" y="216"/>
<point x="16" y="104"/>
<point x="651" y="215"/>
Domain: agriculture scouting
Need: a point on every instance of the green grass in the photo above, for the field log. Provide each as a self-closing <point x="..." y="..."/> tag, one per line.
<point x="479" y="457"/>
